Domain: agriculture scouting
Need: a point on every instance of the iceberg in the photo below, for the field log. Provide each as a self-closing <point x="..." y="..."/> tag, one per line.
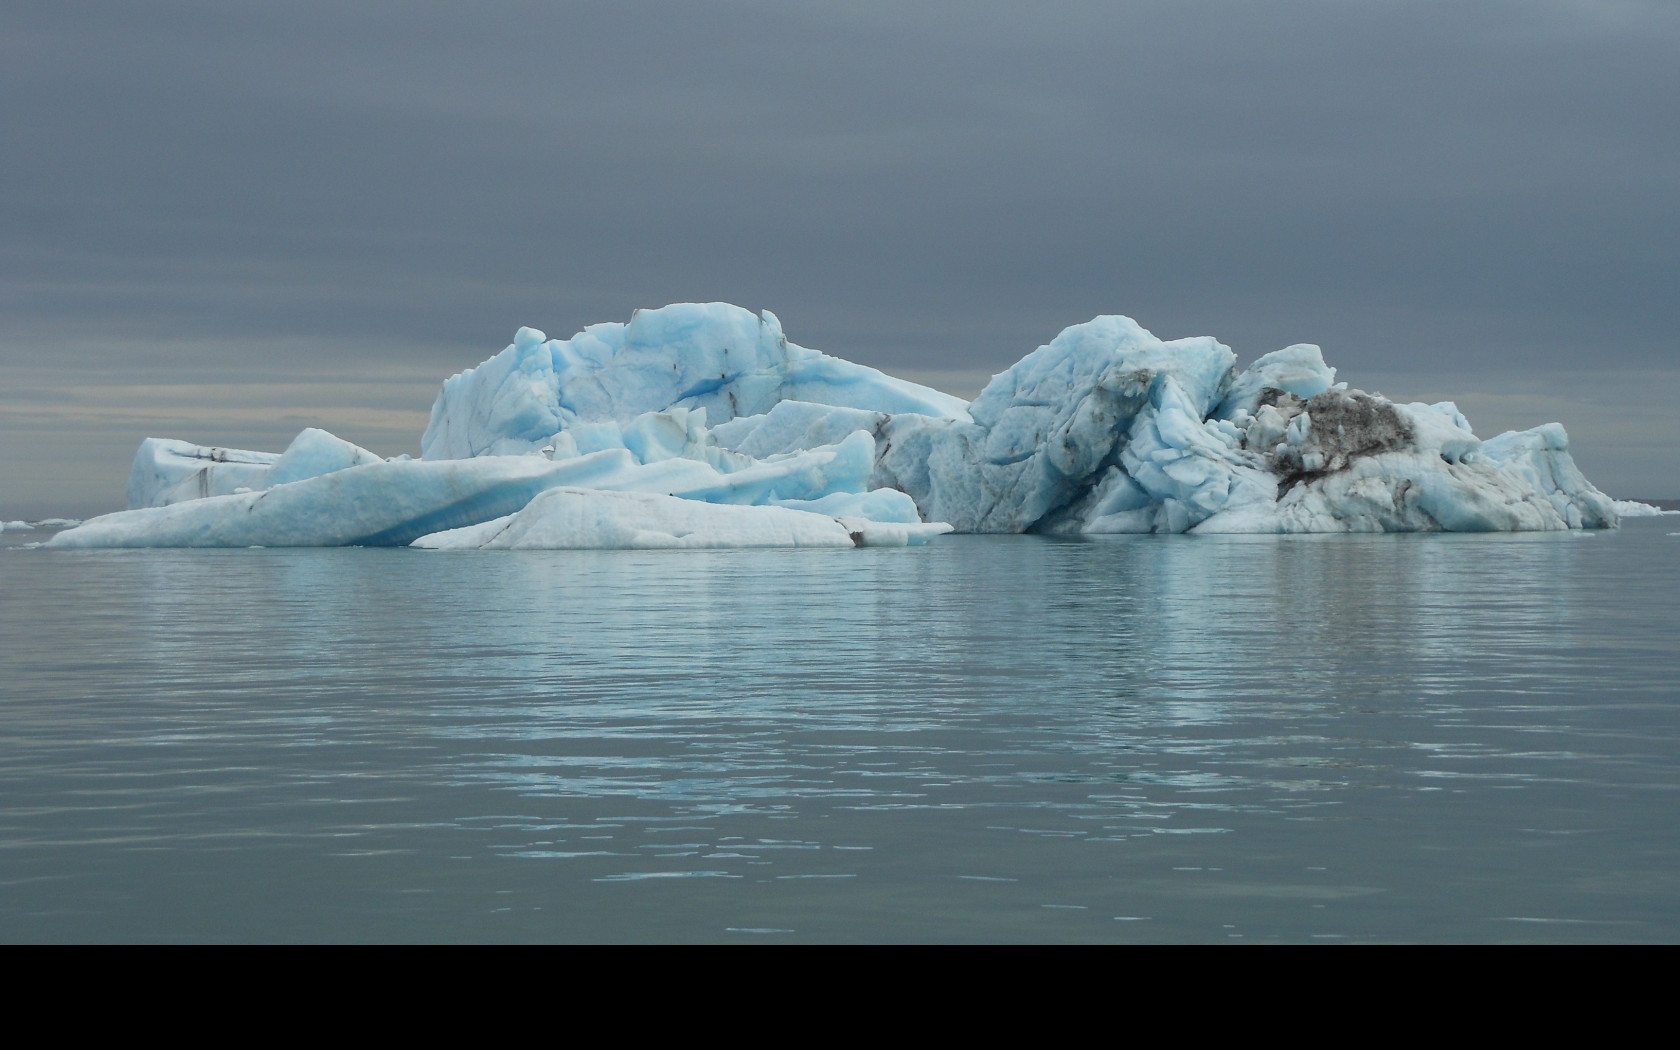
<point x="44" y="523"/>
<point x="701" y="425"/>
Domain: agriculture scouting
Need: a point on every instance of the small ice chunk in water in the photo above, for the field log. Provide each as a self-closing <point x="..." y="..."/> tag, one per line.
<point x="1628" y="508"/>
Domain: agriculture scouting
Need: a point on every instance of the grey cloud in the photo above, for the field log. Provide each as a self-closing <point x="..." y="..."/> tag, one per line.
<point x="1414" y="185"/>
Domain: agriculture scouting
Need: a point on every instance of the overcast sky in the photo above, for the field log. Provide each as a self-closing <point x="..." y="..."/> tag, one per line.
<point x="225" y="221"/>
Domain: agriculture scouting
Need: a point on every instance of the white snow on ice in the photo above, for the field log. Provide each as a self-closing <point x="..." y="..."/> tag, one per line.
<point x="587" y="518"/>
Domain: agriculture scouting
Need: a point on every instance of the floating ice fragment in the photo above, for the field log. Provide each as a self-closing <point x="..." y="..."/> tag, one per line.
<point x="575" y="518"/>
<point x="1628" y="508"/>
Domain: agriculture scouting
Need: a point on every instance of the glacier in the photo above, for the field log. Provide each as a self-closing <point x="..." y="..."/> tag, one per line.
<point x="703" y="426"/>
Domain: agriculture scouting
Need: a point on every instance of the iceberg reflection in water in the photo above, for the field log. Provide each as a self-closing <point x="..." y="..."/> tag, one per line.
<point x="1208" y="738"/>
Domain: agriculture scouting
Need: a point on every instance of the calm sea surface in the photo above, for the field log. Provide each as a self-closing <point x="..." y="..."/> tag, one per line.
<point x="1437" y="738"/>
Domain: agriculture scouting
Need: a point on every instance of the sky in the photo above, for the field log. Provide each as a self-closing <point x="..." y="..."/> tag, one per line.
<point x="226" y="221"/>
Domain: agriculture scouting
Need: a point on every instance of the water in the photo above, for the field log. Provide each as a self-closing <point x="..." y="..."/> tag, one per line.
<point x="1438" y="738"/>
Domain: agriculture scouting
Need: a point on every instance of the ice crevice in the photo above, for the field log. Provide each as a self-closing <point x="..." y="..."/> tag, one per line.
<point x="703" y="426"/>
